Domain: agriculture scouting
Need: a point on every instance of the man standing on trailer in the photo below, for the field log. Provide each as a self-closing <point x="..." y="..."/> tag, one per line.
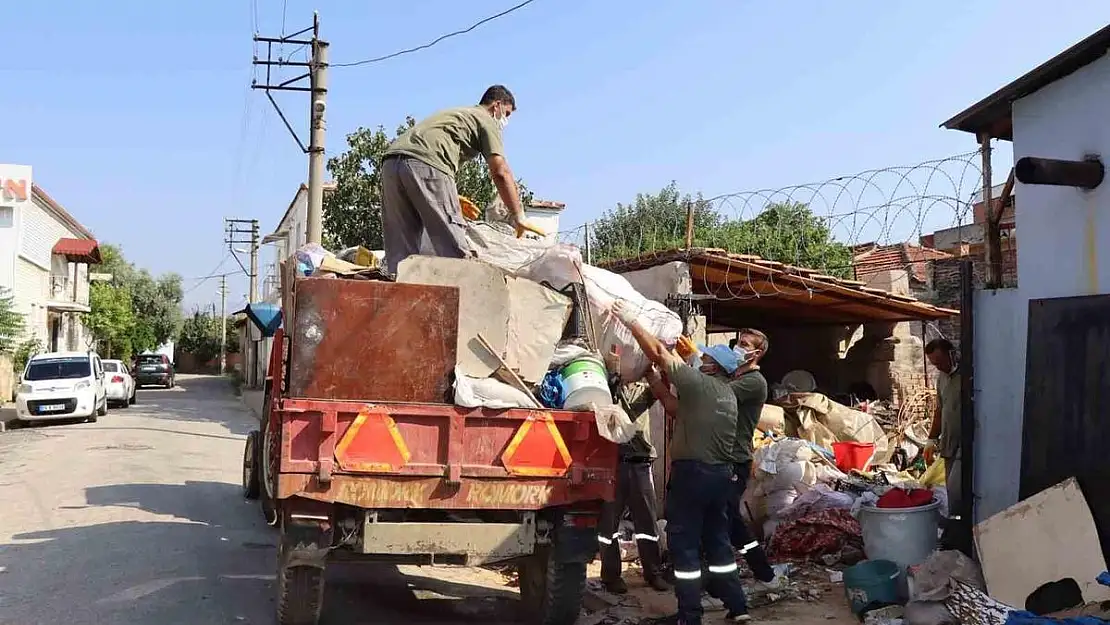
<point x="700" y="487"/>
<point x="635" y="490"/>
<point x="419" y="194"/>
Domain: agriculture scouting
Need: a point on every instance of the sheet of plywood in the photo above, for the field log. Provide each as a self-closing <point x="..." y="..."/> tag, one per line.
<point x="537" y="316"/>
<point x="483" y="305"/>
<point x="1047" y="537"/>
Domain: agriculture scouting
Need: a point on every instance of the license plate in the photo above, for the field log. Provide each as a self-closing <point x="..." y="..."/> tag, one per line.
<point x="149" y="368"/>
<point x="52" y="408"/>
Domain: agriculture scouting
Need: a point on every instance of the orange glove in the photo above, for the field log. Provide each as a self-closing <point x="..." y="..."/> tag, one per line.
<point x="685" y="347"/>
<point x="469" y="209"/>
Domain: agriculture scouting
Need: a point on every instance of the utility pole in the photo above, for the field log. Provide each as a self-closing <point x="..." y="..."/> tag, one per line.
<point x="317" y="75"/>
<point x="248" y="228"/>
<point x="223" y="324"/>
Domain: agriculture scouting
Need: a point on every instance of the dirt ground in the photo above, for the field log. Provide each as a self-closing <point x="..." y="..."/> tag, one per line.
<point x="809" y="600"/>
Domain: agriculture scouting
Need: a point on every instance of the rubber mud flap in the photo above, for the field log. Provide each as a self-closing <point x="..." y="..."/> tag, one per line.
<point x="575" y="544"/>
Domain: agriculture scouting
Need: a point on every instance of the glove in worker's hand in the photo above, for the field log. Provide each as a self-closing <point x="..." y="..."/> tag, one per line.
<point x="685" y="347"/>
<point x="469" y="208"/>
<point x="624" y="311"/>
<point x="522" y="225"/>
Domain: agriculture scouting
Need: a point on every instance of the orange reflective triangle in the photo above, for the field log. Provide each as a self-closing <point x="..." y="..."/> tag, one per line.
<point x="537" y="448"/>
<point x="372" y="443"/>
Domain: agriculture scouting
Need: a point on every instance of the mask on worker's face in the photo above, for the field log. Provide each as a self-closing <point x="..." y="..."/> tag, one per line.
<point x="502" y="122"/>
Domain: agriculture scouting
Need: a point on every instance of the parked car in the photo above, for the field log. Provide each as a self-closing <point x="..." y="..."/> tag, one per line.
<point x="62" y="385"/>
<point x="120" y="385"/>
<point x="153" y="370"/>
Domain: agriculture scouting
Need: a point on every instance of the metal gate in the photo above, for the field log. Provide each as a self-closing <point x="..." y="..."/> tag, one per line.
<point x="1067" y="401"/>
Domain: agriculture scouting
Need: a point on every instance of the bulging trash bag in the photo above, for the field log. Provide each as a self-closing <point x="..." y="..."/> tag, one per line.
<point x="613" y="423"/>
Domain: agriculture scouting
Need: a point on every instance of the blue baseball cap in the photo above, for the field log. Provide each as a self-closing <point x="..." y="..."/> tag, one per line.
<point x="723" y="356"/>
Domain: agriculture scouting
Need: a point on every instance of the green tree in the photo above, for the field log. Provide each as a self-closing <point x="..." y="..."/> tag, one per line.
<point x="111" y="320"/>
<point x="11" y="322"/>
<point x="200" y="336"/>
<point x="155" y="303"/>
<point x="785" y="232"/>
<point x="651" y="223"/>
<point x="352" y="212"/>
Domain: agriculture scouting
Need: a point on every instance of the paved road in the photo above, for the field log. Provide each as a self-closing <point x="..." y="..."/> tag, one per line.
<point x="139" y="519"/>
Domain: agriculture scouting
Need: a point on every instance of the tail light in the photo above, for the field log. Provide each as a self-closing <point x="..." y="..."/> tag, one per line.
<point x="117" y="379"/>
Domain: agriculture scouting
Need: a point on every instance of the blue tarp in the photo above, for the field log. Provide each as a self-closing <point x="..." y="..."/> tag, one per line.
<point x="265" y="316"/>
<point x="1028" y="618"/>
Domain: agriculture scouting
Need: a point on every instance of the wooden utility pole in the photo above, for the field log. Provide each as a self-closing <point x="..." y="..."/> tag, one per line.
<point x="223" y="324"/>
<point x="317" y="75"/>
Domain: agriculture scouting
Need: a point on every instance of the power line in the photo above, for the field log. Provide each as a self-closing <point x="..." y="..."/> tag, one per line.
<point x="438" y="39"/>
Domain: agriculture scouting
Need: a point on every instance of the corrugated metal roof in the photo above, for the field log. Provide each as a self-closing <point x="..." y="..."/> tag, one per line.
<point x="747" y="289"/>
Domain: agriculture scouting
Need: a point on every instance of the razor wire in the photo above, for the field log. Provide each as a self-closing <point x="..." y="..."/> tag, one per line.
<point x="891" y="208"/>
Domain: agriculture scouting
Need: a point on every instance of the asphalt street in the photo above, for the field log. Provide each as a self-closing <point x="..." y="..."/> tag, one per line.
<point x="139" y="518"/>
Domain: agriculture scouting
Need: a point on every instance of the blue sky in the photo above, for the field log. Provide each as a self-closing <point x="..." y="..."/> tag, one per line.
<point x="137" y="115"/>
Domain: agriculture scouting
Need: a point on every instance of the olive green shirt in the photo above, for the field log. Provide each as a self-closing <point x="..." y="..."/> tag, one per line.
<point x="948" y="395"/>
<point x="705" y="426"/>
<point x="750" y="390"/>
<point x="449" y="138"/>
<point x="636" y="399"/>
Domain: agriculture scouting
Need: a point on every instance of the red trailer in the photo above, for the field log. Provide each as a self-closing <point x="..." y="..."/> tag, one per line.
<point x="361" y="457"/>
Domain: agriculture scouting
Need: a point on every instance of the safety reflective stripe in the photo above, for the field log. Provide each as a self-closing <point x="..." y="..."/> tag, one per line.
<point x="723" y="568"/>
<point x="653" y="539"/>
<point x="605" y="541"/>
<point x="748" y="547"/>
<point x="687" y="574"/>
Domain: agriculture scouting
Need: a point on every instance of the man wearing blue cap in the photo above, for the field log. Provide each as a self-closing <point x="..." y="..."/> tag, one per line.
<point x="700" y="486"/>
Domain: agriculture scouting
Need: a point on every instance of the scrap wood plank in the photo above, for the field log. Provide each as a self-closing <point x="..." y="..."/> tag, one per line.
<point x="1045" y="538"/>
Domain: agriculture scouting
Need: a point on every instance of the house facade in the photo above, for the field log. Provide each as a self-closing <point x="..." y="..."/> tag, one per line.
<point x="1039" y="344"/>
<point x="45" y="255"/>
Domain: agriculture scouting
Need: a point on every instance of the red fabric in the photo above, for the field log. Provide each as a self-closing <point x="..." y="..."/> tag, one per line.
<point x="898" y="498"/>
<point x="817" y="534"/>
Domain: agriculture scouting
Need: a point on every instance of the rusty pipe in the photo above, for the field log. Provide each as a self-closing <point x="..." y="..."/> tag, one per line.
<point x="1085" y="174"/>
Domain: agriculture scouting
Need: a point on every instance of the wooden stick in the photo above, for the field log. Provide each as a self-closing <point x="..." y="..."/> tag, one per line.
<point x="513" y="379"/>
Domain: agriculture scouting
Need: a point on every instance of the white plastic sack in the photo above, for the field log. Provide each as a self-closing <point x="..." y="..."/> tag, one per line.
<point x="488" y="393"/>
<point x="560" y="265"/>
<point x="613" y="423"/>
<point x="566" y="353"/>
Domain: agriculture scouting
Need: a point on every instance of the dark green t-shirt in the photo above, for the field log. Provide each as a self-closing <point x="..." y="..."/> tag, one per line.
<point x="750" y="390"/>
<point x="705" y="426"/>
<point x="449" y="138"/>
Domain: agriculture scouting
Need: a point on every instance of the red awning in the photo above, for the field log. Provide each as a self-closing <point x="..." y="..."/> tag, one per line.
<point x="79" y="250"/>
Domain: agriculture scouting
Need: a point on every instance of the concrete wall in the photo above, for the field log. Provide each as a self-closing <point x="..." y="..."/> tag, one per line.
<point x="1062" y="255"/>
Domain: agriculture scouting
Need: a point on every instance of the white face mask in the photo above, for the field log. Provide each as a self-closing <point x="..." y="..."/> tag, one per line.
<point x="502" y="121"/>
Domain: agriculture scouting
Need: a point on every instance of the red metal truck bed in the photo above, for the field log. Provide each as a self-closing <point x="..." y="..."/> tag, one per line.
<point x="382" y="455"/>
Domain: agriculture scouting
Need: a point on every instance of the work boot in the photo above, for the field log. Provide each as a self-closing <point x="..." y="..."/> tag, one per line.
<point x="615" y="586"/>
<point x="738" y="617"/>
<point x="658" y="583"/>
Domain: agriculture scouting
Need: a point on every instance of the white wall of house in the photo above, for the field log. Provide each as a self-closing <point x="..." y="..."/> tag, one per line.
<point x="1063" y="254"/>
<point x="15" y="193"/>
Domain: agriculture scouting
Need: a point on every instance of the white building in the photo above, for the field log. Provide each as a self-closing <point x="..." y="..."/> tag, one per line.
<point x="1041" y="349"/>
<point x="44" y="261"/>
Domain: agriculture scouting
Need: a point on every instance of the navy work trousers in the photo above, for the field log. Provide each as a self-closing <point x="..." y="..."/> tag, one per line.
<point x="742" y="540"/>
<point x="698" y="498"/>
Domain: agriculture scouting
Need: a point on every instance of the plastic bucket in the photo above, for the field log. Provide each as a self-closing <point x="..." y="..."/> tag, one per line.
<point x="905" y="536"/>
<point x="586" y="382"/>
<point x="852" y="456"/>
<point x="871" y="582"/>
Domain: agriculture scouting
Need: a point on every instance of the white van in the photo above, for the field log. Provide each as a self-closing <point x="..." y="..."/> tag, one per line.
<point x="62" y="385"/>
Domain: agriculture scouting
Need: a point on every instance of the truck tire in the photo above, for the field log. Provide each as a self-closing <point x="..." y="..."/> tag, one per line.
<point x="550" y="592"/>
<point x="252" y="465"/>
<point x="300" y="595"/>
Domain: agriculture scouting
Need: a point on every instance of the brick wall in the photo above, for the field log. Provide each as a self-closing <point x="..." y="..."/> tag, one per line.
<point x="946" y="288"/>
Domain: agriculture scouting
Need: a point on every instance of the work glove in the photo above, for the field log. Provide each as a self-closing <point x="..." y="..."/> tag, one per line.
<point x="624" y="311"/>
<point x="685" y="347"/>
<point x="522" y="225"/>
<point x="469" y="208"/>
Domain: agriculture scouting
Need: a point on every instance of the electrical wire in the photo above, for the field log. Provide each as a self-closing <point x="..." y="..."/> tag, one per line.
<point x="438" y="39"/>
